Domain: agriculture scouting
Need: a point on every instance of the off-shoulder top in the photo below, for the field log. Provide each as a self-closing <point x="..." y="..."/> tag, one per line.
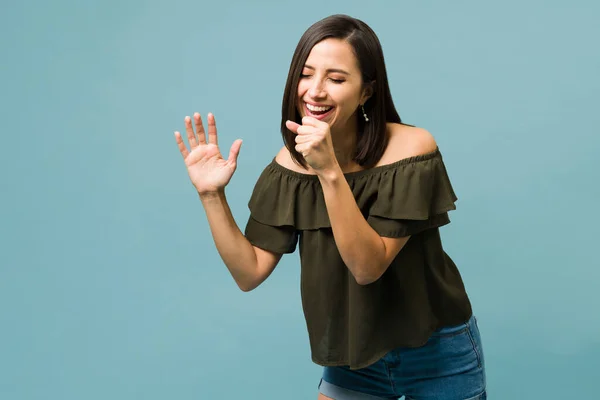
<point x="350" y="324"/>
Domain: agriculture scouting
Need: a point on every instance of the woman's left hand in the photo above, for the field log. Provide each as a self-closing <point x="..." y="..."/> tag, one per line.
<point x="313" y="141"/>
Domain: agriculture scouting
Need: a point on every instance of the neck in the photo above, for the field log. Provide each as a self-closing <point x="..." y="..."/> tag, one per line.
<point x="344" y="144"/>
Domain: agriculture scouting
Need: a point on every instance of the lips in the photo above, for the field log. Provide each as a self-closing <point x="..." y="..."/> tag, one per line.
<point x="319" y="111"/>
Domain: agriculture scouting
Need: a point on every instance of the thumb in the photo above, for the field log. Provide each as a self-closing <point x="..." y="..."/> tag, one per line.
<point x="292" y="126"/>
<point x="234" y="151"/>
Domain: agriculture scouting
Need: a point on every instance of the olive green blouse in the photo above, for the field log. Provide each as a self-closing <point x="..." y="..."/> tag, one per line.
<point x="350" y="324"/>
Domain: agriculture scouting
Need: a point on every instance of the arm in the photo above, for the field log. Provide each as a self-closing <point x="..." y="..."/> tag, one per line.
<point x="366" y="254"/>
<point x="210" y="173"/>
<point x="249" y="265"/>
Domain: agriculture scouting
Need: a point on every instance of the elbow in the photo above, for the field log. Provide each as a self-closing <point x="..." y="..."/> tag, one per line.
<point x="247" y="286"/>
<point x="245" y="289"/>
<point x="363" y="281"/>
<point x="369" y="267"/>
<point x="366" y="278"/>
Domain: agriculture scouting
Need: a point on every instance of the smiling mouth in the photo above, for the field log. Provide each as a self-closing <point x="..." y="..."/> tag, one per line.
<point x="318" y="112"/>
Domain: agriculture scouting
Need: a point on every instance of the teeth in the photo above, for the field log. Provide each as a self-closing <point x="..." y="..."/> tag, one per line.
<point x="317" y="108"/>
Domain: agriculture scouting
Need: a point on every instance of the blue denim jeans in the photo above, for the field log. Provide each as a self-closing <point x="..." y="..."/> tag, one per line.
<point x="450" y="366"/>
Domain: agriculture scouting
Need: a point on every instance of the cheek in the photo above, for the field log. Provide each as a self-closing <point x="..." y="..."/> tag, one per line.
<point x="345" y="97"/>
<point x="302" y="88"/>
<point x="346" y="105"/>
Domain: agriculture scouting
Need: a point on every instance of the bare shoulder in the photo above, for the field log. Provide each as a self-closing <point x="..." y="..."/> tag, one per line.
<point x="284" y="158"/>
<point x="407" y="141"/>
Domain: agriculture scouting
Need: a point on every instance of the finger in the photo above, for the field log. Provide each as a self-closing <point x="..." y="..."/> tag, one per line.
<point x="302" y="149"/>
<point x="302" y="138"/>
<point x="292" y="126"/>
<point x="234" y="152"/>
<point x="184" y="151"/>
<point x="199" y="128"/>
<point x="212" y="129"/>
<point x="305" y="130"/>
<point x="190" y="133"/>
<point x="311" y="121"/>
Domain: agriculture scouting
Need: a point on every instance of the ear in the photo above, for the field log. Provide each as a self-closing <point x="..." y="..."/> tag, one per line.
<point x="367" y="92"/>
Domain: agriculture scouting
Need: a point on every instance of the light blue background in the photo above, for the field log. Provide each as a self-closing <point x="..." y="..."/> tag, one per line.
<point x="110" y="286"/>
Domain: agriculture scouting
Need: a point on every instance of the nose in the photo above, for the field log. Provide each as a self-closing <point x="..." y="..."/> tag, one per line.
<point x="316" y="90"/>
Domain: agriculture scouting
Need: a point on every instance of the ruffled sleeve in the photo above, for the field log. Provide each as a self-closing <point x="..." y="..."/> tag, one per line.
<point x="283" y="203"/>
<point x="278" y="239"/>
<point x="413" y="196"/>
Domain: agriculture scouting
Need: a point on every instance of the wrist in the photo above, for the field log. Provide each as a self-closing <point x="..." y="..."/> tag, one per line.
<point x="212" y="196"/>
<point x="331" y="175"/>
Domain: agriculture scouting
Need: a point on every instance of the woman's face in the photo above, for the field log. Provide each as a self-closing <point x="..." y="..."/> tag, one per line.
<point x="331" y="87"/>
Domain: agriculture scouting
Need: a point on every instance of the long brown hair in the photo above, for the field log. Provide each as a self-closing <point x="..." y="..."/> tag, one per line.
<point x="372" y="138"/>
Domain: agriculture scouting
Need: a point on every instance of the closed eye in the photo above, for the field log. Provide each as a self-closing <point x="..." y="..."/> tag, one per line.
<point x="337" y="81"/>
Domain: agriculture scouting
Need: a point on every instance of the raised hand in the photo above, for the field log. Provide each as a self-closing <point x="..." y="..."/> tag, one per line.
<point x="313" y="141"/>
<point x="208" y="170"/>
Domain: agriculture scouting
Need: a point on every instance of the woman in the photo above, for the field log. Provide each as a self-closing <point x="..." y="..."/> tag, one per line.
<point x="364" y="195"/>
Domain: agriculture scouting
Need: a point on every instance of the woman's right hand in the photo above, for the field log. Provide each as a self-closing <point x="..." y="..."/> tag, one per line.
<point x="208" y="171"/>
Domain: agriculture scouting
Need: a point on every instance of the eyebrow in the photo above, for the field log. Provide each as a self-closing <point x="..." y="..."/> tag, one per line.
<point x="341" y="71"/>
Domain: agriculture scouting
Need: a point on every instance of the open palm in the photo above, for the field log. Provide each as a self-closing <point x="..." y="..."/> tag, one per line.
<point x="208" y="170"/>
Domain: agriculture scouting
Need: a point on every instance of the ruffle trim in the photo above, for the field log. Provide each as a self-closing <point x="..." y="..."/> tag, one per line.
<point x="416" y="188"/>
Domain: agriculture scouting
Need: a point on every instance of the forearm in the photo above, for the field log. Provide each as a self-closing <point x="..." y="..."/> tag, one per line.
<point x="233" y="247"/>
<point x="360" y="246"/>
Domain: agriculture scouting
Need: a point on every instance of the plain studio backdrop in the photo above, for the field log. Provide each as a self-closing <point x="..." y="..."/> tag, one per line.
<point x="110" y="284"/>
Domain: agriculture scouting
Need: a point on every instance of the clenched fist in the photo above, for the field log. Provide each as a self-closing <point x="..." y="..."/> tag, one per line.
<point x="313" y="141"/>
